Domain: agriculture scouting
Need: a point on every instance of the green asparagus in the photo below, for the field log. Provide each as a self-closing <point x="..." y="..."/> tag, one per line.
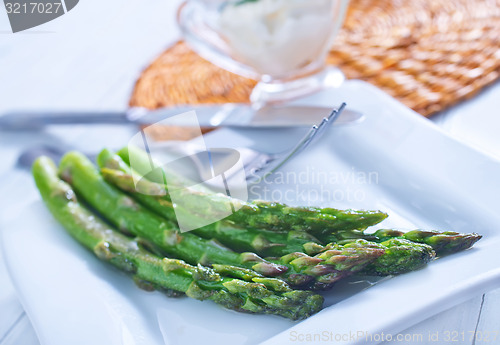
<point x="400" y="256"/>
<point x="153" y="272"/>
<point x="261" y="242"/>
<point x="269" y="243"/>
<point x="443" y="243"/>
<point x="131" y="217"/>
<point x="267" y="215"/>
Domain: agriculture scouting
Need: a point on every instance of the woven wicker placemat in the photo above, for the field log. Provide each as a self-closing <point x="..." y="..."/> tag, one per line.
<point x="428" y="54"/>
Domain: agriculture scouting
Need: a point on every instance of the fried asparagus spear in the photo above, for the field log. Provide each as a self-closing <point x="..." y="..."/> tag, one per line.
<point x="153" y="272"/>
<point x="404" y="252"/>
<point x="130" y="217"/>
<point x="262" y="242"/>
<point x="443" y="243"/>
<point x="269" y="243"/>
<point x="231" y="233"/>
<point x="400" y="256"/>
<point x="263" y="214"/>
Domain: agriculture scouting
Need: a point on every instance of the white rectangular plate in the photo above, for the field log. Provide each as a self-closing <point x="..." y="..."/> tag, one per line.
<point x="395" y="161"/>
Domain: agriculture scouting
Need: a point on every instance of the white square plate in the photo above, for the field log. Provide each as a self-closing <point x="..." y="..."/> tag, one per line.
<point x="395" y="161"/>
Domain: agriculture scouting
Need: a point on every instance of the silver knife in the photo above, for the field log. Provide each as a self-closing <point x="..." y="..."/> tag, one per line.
<point x="209" y="116"/>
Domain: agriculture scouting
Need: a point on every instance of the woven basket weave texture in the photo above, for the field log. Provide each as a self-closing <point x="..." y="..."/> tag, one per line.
<point x="429" y="54"/>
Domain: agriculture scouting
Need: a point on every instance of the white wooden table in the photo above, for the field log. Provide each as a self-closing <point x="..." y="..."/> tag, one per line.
<point x="90" y="58"/>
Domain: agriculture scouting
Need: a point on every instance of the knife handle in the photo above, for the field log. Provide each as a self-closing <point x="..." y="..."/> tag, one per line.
<point x="36" y="120"/>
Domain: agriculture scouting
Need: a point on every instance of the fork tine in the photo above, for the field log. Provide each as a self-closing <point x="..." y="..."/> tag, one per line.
<point x="317" y="130"/>
<point x="328" y="121"/>
<point x="313" y="134"/>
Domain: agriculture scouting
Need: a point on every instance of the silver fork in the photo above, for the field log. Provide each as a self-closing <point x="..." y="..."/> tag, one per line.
<point x="204" y="164"/>
<point x="266" y="163"/>
<point x="256" y="164"/>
